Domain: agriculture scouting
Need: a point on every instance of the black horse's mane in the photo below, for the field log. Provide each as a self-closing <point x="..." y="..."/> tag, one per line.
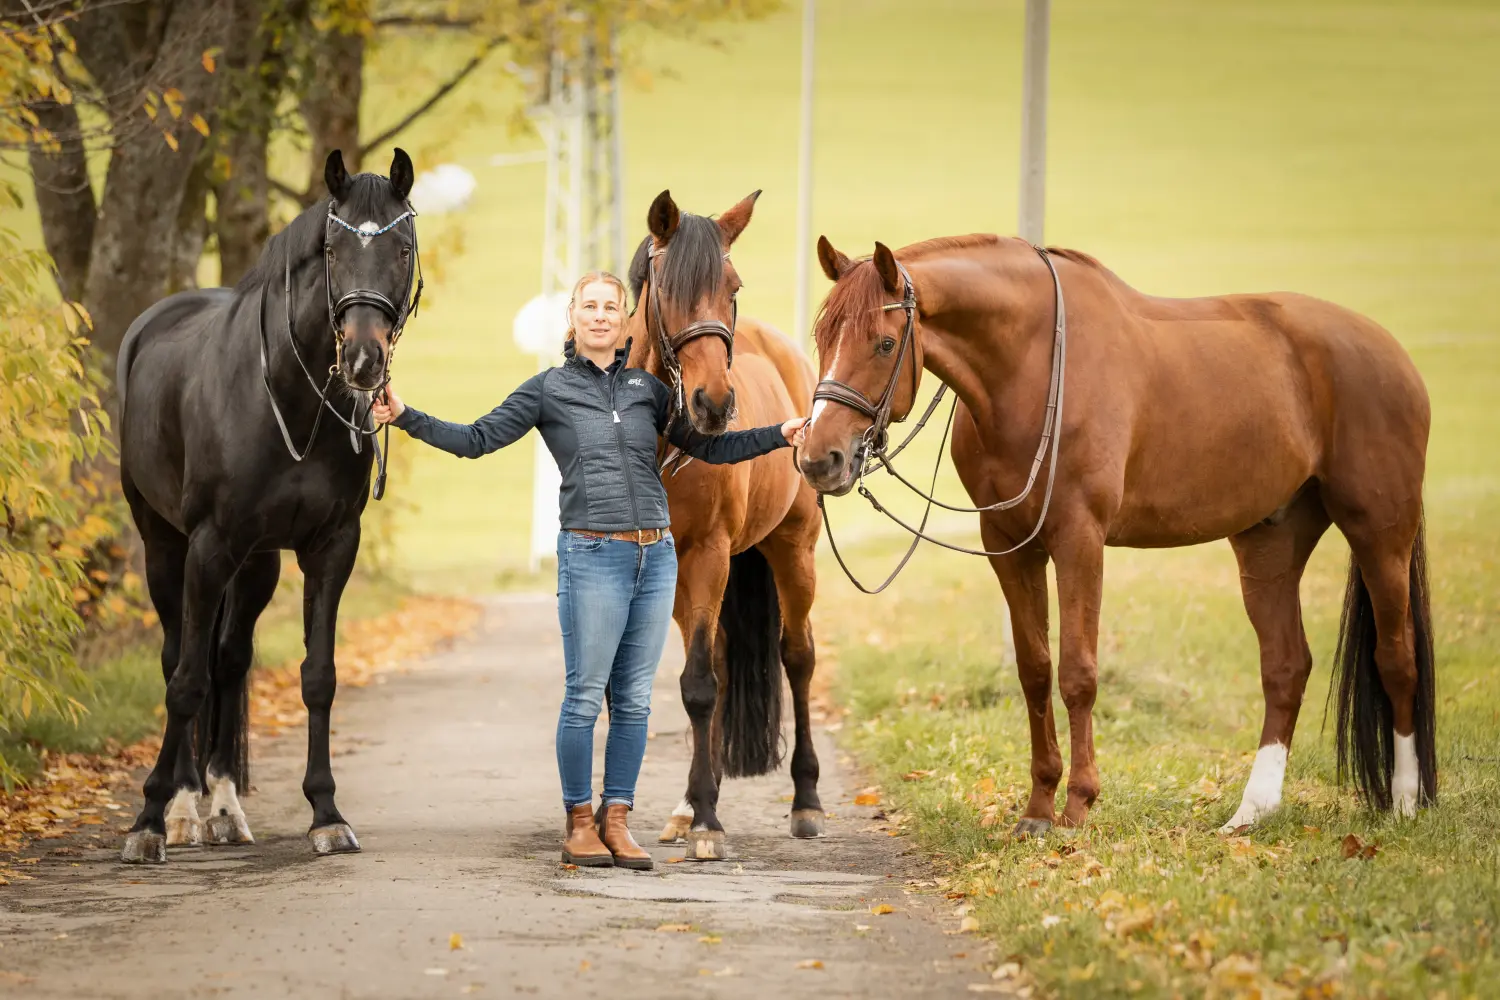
<point x="302" y="239"/>
<point x="691" y="268"/>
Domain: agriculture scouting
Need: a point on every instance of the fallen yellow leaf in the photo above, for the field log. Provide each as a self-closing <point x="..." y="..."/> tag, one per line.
<point x="867" y="799"/>
<point x="882" y="909"/>
<point x="455" y="942"/>
<point x="809" y="963"/>
<point x="710" y="939"/>
<point x="674" y="928"/>
<point x="968" y="924"/>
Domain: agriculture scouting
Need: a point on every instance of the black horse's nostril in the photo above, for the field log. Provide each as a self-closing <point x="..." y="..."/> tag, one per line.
<point x="834" y="460"/>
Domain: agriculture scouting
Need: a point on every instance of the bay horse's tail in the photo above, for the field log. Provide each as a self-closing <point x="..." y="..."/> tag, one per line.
<point x="207" y="723"/>
<point x="1366" y="737"/>
<point x="750" y="629"/>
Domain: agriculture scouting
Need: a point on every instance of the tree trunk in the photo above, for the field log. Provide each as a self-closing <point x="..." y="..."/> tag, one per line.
<point x="331" y="105"/>
<point x="186" y="249"/>
<point x="63" y="196"/>
<point x="143" y="190"/>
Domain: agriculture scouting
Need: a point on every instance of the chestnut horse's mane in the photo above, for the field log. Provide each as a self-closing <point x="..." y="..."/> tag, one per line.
<point x="859" y="291"/>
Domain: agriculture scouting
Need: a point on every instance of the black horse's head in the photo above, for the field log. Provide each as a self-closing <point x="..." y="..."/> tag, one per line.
<point x="370" y="250"/>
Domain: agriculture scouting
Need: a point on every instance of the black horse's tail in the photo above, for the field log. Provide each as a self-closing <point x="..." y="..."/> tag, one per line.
<point x="1366" y="737"/>
<point x="209" y="720"/>
<point x="750" y="629"/>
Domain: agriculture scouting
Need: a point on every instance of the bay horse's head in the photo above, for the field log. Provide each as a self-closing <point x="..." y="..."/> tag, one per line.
<point x="685" y="287"/>
<point x="870" y="361"/>
<point x="370" y="260"/>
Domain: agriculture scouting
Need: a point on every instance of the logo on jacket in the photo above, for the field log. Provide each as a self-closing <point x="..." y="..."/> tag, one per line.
<point x="635" y="381"/>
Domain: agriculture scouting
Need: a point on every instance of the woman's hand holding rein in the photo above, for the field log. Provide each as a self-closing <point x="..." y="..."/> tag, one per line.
<point x="388" y="407"/>
<point x="794" y="430"/>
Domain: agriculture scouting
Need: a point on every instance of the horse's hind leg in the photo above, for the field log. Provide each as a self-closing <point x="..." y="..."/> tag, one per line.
<point x="325" y="571"/>
<point x="228" y="762"/>
<point x="791" y="555"/>
<point x="1023" y="578"/>
<point x="206" y="570"/>
<point x="1272" y="557"/>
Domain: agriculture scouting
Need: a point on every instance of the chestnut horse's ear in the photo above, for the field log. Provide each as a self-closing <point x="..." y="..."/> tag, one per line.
<point x="662" y="217"/>
<point x="890" y="274"/>
<point x="402" y="174"/>
<point x="834" y="263"/>
<point x="335" y="176"/>
<point x="734" y="221"/>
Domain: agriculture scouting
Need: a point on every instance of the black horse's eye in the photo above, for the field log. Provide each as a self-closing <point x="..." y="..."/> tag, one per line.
<point x="887" y="345"/>
<point x="406" y="253"/>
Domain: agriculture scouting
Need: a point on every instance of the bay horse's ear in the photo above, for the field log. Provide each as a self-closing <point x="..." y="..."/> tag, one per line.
<point x="662" y="217"/>
<point x="335" y="176"/>
<point x="890" y="274"/>
<point x="402" y="175"/>
<point x="834" y="263"/>
<point x="734" y="221"/>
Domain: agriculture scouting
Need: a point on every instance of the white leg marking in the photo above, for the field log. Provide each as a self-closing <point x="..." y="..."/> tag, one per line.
<point x="1405" y="782"/>
<point x="1263" y="790"/>
<point x="183" y="824"/>
<point x="684" y="809"/>
<point x="226" y="818"/>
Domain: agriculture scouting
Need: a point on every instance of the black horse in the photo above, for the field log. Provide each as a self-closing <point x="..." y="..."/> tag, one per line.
<point x="226" y="458"/>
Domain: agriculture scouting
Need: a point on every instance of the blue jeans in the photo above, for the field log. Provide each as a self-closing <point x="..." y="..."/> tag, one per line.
<point x="614" y="601"/>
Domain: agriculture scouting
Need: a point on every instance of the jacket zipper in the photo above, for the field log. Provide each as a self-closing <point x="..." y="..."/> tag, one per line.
<point x="635" y="513"/>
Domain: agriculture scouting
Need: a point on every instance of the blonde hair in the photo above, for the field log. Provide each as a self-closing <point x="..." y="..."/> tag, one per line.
<point x="588" y="278"/>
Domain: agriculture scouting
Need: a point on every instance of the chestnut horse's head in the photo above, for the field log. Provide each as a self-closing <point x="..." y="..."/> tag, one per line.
<point x="870" y="361"/>
<point x="685" y="286"/>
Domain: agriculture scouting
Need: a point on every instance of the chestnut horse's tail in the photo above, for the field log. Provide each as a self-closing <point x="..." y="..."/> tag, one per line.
<point x="750" y="629"/>
<point x="1366" y="737"/>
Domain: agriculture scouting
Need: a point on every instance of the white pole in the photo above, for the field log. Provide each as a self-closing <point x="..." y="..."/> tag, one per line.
<point x="617" y="155"/>
<point x="1030" y="217"/>
<point x="801" y="329"/>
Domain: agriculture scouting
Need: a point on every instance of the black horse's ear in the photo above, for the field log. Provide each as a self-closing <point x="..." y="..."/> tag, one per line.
<point x="734" y="221"/>
<point x="833" y="262"/>
<point x="335" y="176"/>
<point x="402" y="175"/>
<point x="662" y="217"/>
<point x="890" y="274"/>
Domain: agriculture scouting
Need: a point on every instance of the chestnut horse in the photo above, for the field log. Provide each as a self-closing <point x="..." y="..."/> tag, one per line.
<point x="1257" y="418"/>
<point x="746" y="534"/>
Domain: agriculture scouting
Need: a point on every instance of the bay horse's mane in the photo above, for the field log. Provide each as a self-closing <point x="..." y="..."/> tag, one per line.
<point x="691" y="268"/>
<point x="302" y="238"/>
<point x="859" y="290"/>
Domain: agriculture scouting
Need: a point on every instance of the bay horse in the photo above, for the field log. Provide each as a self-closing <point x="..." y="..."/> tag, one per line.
<point x="1257" y="418"/>
<point x="746" y="534"/>
<point x="226" y="459"/>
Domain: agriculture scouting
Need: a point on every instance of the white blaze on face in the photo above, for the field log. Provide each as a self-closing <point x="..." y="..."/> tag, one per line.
<point x="370" y="228"/>
<point x="1263" y="790"/>
<point x="833" y="368"/>
<point x="1405" y="781"/>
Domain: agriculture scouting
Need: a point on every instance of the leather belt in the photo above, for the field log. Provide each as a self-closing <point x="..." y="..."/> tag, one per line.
<point x="640" y="536"/>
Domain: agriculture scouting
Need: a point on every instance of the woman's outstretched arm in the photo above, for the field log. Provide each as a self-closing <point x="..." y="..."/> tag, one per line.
<point x="729" y="447"/>
<point x="505" y="424"/>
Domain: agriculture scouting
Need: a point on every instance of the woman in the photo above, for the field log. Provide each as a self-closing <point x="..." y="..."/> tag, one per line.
<point x="616" y="561"/>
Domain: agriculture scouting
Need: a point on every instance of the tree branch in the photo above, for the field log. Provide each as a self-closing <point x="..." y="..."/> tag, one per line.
<point x="287" y="191"/>
<point x="408" y="21"/>
<point x="427" y="105"/>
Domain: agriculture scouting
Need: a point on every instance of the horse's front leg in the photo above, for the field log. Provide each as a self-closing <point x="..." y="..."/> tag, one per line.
<point x="703" y="573"/>
<point x="325" y="570"/>
<point x="1080" y="584"/>
<point x="207" y="569"/>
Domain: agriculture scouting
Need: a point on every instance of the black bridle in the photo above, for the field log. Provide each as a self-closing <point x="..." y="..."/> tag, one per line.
<point x="873" y="454"/>
<point x="357" y="423"/>
<point x="668" y="344"/>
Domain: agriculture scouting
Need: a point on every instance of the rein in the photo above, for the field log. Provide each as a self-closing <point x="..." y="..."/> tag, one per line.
<point x="873" y="453"/>
<point x="668" y="344"/>
<point x="336" y="308"/>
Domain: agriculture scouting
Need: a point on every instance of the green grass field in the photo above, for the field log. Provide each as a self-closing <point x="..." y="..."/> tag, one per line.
<point x="1347" y="150"/>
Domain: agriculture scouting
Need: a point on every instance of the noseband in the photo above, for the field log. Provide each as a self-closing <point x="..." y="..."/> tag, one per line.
<point x="356" y="422"/>
<point x="670" y="343"/>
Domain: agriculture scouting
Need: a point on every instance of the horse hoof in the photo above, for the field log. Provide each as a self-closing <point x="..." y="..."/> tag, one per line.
<point x="676" y="830"/>
<point x="706" y="845"/>
<point x="226" y="829"/>
<point x="144" y="847"/>
<point x="184" y="831"/>
<point x="336" y="838"/>
<point x="1029" y="828"/>
<point x="807" y="823"/>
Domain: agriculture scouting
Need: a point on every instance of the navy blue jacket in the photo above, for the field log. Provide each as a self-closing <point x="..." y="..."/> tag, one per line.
<point x="602" y="429"/>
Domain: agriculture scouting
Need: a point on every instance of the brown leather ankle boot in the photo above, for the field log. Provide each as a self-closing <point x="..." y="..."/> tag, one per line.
<point x="583" y="846"/>
<point x="618" y="841"/>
